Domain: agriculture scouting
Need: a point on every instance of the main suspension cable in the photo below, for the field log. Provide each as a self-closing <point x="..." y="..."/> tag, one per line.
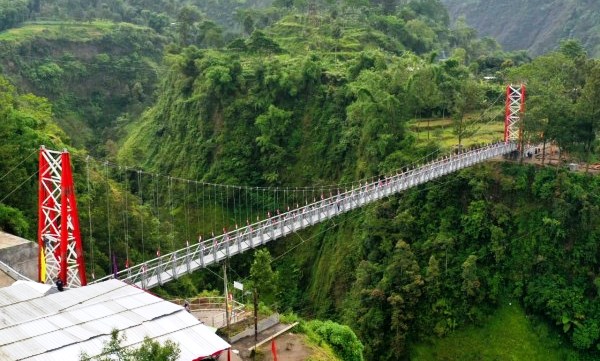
<point x="110" y="255"/>
<point x="18" y="165"/>
<point x="89" y="204"/>
<point x="141" y="191"/>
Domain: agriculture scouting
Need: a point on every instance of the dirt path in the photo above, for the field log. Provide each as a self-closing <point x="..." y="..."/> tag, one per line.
<point x="290" y="347"/>
<point x="551" y="158"/>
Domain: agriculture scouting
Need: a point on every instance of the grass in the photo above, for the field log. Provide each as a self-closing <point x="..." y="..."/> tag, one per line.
<point x="68" y="30"/>
<point x="441" y="132"/>
<point x="508" y="335"/>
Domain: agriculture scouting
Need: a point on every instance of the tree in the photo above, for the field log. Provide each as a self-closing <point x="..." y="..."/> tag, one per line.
<point x="572" y="48"/>
<point x="13" y="221"/>
<point x="259" y="42"/>
<point x="210" y="35"/>
<point x="554" y="87"/>
<point x="341" y="338"/>
<point x="25" y="122"/>
<point x="274" y="128"/>
<point x="586" y="335"/>
<point x="368" y="309"/>
<point x="403" y="280"/>
<point x="248" y="24"/>
<point x="431" y="9"/>
<point x="476" y="221"/>
<point x="588" y="114"/>
<point x="467" y="99"/>
<point x="149" y="350"/>
<point x="462" y="36"/>
<point x="432" y="278"/>
<point x="187" y="17"/>
<point x="12" y="13"/>
<point x="424" y="91"/>
<point x="470" y="278"/>
<point x="376" y="118"/>
<point x="158" y="22"/>
<point x="263" y="278"/>
<point x="422" y="38"/>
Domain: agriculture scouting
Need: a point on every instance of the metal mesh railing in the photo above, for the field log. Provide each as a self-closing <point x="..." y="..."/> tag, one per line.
<point x="170" y="266"/>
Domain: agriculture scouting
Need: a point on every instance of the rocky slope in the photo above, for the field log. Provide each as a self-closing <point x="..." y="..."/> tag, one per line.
<point x="535" y="25"/>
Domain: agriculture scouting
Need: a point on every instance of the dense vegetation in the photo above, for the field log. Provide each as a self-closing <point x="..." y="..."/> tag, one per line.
<point x="169" y="17"/>
<point x="266" y="94"/>
<point x="309" y="94"/>
<point x="507" y="328"/>
<point x="26" y="122"/>
<point x="422" y="264"/>
<point x="96" y="74"/>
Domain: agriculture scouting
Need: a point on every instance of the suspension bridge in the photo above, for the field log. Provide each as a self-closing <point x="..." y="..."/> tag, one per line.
<point x="61" y="248"/>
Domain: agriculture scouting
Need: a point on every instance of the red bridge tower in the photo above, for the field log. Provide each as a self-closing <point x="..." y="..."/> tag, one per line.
<point x="515" y="106"/>
<point x="61" y="251"/>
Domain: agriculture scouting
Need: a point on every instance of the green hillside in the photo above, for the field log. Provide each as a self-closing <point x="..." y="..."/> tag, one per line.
<point x="508" y="334"/>
<point x="279" y="108"/>
<point x="533" y="25"/>
<point x="94" y="73"/>
<point x="318" y="95"/>
<point x="300" y="104"/>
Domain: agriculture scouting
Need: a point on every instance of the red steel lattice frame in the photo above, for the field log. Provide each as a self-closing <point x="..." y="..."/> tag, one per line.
<point x="515" y="106"/>
<point x="61" y="255"/>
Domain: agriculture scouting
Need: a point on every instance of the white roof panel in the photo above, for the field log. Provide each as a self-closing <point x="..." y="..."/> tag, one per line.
<point x="40" y="289"/>
<point x="60" y="326"/>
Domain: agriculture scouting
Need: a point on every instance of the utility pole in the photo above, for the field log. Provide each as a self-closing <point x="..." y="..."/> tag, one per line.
<point x="255" y="317"/>
<point x="226" y="297"/>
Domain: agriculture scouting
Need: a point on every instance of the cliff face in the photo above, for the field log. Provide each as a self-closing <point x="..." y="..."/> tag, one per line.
<point x="534" y="25"/>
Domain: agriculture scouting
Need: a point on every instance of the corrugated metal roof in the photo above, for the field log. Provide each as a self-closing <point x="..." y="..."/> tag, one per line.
<point x="60" y="326"/>
<point x="23" y="291"/>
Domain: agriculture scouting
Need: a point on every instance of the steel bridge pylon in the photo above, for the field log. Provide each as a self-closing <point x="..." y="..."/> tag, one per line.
<point x="59" y="239"/>
<point x="515" y="106"/>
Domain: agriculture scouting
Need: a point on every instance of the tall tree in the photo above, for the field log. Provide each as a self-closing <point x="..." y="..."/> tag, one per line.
<point x="404" y="282"/>
<point x="263" y="278"/>
<point x="467" y="99"/>
<point x="274" y="126"/>
<point x="588" y="114"/>
<point x="471" y="283"/>
<point x="186" y="19"/>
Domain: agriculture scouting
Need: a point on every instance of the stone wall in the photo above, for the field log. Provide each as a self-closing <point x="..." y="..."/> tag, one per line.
<point x="20" y="254"/>
<point x="262" y="325"/>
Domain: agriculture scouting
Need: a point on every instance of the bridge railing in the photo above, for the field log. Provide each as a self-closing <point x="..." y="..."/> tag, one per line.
<point x="199" y="255"/>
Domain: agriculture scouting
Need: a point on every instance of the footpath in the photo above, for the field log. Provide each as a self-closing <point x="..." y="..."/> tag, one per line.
<point x="287" y="343"/>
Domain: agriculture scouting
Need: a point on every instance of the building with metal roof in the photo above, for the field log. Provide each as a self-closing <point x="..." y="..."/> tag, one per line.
<point x="39" y="323"/>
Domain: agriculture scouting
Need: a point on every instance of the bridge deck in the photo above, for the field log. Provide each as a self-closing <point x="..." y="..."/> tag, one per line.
<point x="170" y="266"/>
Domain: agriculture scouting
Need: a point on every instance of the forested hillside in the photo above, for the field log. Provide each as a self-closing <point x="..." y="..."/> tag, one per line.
<point x="96" y="74"/>
<point x="421" y="265"/>
<point x="427" y="263"/>
<point x="314" y="98"/>
<point x="161" y="15"/>
<point x="312" y="94"/>
<point x="98" y="62"/>
<point x="26" y="123"/>
<point x="533" y="25"/>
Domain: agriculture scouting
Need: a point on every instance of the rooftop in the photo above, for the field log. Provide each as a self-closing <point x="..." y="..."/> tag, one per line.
<point x="36" y="324"/>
